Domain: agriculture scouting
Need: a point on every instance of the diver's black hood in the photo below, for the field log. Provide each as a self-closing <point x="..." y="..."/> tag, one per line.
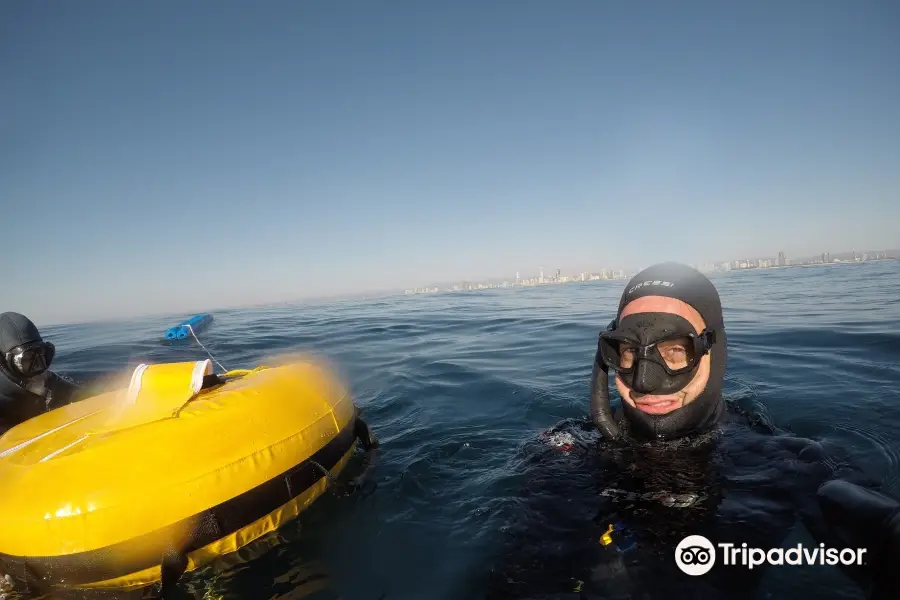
<point x="679" y="281"/>
<point x="16" y="329"/>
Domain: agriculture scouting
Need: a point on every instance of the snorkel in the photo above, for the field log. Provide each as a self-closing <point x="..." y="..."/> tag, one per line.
<point x="601" y="412"/>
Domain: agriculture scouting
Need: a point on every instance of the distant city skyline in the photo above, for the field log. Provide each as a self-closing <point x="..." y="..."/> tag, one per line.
<point x="525" y="280"/>
<point x="556" y="275"/>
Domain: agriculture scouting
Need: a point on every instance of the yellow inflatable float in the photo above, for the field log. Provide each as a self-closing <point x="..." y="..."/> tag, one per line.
<point x="139" y="485"/>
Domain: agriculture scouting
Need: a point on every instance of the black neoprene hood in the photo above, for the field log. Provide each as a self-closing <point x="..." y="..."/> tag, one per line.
<point x="16" y="329"/>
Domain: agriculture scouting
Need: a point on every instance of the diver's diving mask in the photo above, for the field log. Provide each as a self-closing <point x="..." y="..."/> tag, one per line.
<point x="677" y="351"/>
<point x="31" y="359"/>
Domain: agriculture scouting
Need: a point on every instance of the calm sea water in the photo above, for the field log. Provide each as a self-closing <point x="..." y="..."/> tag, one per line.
<point x="455" y="384"/>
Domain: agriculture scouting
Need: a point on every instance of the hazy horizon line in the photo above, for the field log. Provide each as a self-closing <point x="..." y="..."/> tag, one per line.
<point x="348" y="296"/>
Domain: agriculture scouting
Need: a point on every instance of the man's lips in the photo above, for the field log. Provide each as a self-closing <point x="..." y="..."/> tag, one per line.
<point x="655" y="405"/>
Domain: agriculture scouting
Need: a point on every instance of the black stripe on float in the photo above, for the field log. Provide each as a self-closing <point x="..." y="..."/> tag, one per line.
<point x="215" y="523"/>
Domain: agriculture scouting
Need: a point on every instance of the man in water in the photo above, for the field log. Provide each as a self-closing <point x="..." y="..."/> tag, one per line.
<point x="27" y="386"/>
<point x="675" y="461"/>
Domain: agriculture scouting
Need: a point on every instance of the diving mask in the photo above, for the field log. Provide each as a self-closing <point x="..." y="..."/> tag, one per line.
<point x="654" y="352"/>
<point x="31" y="359"/>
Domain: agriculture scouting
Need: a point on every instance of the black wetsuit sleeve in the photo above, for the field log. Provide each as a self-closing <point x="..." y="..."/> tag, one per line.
<point x="62" y="391"/>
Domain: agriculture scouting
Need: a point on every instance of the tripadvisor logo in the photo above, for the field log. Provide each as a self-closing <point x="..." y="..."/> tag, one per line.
<point x="696" y="555"/>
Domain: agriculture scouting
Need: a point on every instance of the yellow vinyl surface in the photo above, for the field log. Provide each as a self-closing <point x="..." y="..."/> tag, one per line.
<point x="233" y="542"/>
<point x="107" y="470"/>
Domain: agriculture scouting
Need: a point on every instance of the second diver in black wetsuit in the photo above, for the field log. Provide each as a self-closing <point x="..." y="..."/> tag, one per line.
<point x="27" y="385"/>
<point x="603" y="518"/>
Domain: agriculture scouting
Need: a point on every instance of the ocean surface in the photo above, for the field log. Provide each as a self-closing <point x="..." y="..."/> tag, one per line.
<point x="455" y="385"/>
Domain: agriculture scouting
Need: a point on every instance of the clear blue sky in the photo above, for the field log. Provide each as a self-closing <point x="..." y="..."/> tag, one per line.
<point x="178" y="156"/>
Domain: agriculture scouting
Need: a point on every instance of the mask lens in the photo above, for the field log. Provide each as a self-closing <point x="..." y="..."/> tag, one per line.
<point x="618" y="354"/>
<point x="677" y="353"/>
<point x="627" y="355"/>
